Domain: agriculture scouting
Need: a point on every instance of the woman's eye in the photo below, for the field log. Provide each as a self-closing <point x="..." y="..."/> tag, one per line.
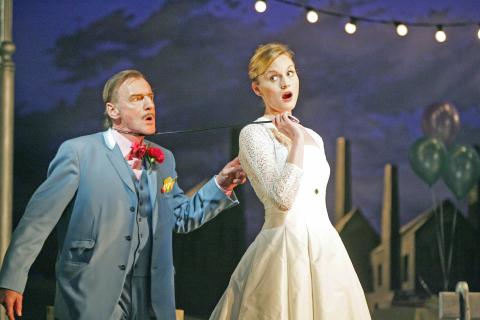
<point x="290" y="73"/>
<point x="273" y="78"/>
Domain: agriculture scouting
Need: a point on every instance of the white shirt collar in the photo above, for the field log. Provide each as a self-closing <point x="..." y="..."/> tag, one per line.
<point x="266" y="117"/>
<point x="113" y="137"/>
<point x="109" y="140"/>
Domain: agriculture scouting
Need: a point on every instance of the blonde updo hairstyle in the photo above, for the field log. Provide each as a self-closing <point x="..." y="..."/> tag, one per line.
<point x="264" y="56"/>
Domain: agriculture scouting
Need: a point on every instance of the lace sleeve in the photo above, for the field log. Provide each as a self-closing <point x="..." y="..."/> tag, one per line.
<point x="277" y="181"/>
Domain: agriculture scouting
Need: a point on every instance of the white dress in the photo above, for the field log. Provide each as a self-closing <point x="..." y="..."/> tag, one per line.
<point x="297" y="268"/>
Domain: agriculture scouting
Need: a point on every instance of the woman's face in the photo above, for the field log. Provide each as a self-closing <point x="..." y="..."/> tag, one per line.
<point x="278" y="86"/>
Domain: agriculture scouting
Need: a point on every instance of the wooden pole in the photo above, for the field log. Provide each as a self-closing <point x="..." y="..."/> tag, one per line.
<point x="7" y="79"/>
<point x="461" y="304"/>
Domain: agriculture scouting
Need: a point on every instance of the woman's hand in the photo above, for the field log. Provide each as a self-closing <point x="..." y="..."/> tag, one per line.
<point x="291" y="129"/>
<point x="295" y="132"/>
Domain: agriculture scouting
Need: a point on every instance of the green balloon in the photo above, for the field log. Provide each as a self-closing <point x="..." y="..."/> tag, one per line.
<point x="461" y="170"/>
<point x="426" y="159"/>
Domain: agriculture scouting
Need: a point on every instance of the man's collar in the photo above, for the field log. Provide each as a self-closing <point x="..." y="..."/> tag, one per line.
<point x="113" y="137"/>
<point x="109" y="140"/>
<point x="123" y="142"/>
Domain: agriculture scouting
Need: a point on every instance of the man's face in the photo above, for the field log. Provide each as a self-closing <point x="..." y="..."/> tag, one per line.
<point x="133" y="109"/>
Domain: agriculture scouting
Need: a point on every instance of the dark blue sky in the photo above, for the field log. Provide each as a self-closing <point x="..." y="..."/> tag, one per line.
<point x="38" y="24"/>
<point x="371" y="87"/>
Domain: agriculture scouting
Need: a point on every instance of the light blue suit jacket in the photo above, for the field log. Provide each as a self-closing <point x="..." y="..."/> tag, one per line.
<point x="90" y="196"/>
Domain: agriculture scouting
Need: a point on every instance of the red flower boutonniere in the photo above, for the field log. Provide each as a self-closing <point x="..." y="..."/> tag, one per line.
<point x="151" y="154"/>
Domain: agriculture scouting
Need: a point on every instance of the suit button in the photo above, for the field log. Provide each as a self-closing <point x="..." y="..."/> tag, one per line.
<point x="122" y="267"/>
<point x="128" y="238"/>
<point x="316" y="191"/>
<point x="132" y="209"/>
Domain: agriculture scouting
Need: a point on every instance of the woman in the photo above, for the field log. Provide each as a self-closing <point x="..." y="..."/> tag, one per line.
<point x="297" y="268"/>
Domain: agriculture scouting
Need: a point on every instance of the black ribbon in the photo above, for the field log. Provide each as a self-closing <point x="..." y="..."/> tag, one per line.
<point x="230" y="126"/>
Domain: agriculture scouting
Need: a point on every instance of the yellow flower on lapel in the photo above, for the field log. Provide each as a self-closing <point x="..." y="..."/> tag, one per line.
<point x="168" y="184"/>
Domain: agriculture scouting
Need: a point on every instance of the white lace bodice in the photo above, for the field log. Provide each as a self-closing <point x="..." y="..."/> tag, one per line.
<point x="263" y="154"/>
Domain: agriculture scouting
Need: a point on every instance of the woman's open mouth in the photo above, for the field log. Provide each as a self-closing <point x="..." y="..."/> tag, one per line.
<point x="287" y="96"/>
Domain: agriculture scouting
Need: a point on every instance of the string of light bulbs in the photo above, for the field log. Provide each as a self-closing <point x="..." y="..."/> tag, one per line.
<point x="401" y="27"/>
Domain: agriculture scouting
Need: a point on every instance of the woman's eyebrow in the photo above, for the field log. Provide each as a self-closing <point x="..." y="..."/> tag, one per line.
<point x="275" y="71"/>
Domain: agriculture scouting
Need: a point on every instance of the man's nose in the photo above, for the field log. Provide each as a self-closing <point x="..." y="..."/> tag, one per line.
<point x="148" y="103"/>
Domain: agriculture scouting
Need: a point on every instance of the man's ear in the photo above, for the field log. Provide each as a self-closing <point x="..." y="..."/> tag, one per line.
<point x="112" y="111"/>
<point x="256" y="89"/>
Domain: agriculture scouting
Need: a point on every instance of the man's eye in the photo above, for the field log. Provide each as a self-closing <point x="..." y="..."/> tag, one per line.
<point x="137" y="98"/>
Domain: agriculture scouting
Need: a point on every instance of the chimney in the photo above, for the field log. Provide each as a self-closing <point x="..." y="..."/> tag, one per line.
<point x="474" y="218"/>
<point x="343" y="195"/>
<point x="474" y="202"/>
<point x="474" y="206"/>
<point x="391" y="228"/>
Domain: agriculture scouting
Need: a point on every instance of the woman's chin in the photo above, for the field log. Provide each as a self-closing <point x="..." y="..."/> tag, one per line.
<point x="281" y="108"/>
<point x="288" y="107"/>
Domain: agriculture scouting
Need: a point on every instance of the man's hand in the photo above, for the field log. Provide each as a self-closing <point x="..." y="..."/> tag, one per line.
<point x="231" y="176"/>
<point x="12" y="301"/>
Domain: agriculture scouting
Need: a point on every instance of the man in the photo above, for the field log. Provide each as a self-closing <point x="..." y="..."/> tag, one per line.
<point x="115" y="201"/>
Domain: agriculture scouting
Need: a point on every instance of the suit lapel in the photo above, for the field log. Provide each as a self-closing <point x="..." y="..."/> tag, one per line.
<point x="156" y="176"/>
<point x="121" y="166"/>
<point x="152" y="189"/>
<point x="118" y="162"/>
<point x="152" y="184"/>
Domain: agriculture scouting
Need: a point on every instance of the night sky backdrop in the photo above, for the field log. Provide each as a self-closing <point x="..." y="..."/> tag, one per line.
<point x="371" y="87"/>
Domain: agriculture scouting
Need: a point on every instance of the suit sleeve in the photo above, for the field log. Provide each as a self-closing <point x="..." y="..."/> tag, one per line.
<point x="41" y="215"/>
<point x="208" y="201"/>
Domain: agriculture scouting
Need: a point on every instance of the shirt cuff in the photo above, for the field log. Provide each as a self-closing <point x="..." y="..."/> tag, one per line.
<point x="227" y="193"/>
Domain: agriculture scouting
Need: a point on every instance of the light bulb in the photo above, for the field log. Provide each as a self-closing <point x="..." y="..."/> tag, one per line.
<point x="440" y="35"/>
<point x="478" y="32"/>
<point x="312" y="16"/>
<point x="350" y="27"/>
<point x="260" y="6"/>
<point x="402" y="30"/>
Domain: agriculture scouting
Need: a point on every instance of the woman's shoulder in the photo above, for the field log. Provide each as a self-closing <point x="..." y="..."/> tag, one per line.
<point x="255" y="136"/>
<point x="255" y="129"/>
<point x="315" y="135"/>
<point x="312" y="132"/>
